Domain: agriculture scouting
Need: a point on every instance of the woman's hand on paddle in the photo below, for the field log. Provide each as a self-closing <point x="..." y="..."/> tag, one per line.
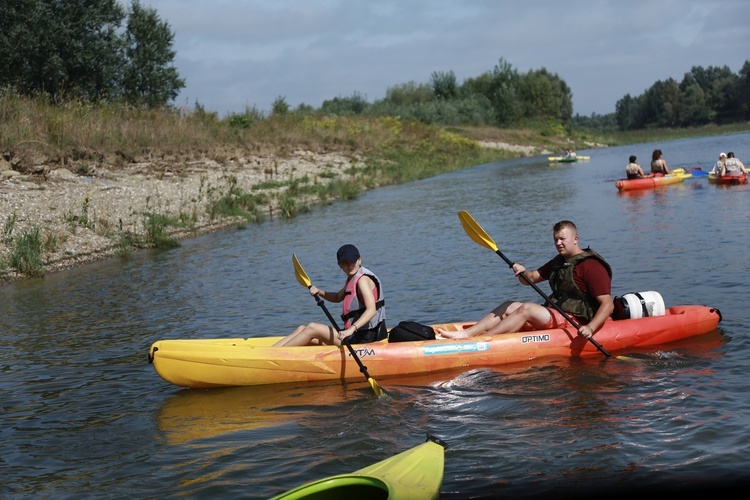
<point x="518" y="269"/>
<point x="342" y="334"/>
<point x="314" y="290"/>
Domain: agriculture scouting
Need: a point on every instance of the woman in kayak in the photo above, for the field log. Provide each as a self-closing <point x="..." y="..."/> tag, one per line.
<point x="658" y="165"/>
<point x="633" y="170"/>
<point x="363" y="307"/>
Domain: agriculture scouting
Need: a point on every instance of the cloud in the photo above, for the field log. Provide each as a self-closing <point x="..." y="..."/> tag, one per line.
<point x="236" y="53"/>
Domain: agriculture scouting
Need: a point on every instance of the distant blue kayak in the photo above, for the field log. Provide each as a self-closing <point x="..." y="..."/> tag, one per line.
<point x="698" y="172"/>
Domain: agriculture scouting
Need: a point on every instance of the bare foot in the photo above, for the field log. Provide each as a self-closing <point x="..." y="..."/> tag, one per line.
<point x="440" y="333"/>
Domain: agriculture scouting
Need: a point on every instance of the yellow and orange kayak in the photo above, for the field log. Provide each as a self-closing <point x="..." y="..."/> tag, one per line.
<point x="224" y="362"/>
<point x="678" y="175"/>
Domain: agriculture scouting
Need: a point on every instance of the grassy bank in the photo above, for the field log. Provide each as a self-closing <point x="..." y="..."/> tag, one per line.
<point x="36" y="137"/>
<point x="80" y="135"/>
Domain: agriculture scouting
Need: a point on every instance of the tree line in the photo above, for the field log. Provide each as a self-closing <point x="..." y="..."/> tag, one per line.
<point x="501" y="97"/>
<point x="93" y="50"/>
<point x="98" y="51"/>
<point x="705" y="95"/>
<point x="504" y="97"/>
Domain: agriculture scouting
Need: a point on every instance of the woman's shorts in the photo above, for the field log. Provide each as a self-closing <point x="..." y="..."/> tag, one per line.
<point x="380" y="332"/>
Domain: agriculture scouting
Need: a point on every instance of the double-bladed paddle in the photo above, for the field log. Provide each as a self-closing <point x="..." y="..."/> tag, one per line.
<point x="304" y="280"/>
<point x="476" y="233"/>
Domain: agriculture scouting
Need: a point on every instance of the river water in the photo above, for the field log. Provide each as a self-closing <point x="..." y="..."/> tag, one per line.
<point x="85" y="416"/>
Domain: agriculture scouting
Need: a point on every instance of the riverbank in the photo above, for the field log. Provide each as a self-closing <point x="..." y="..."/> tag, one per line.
<point x="83" y="217"/>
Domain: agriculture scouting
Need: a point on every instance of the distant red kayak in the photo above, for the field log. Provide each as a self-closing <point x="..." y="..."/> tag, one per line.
<point x="729" y="180"/>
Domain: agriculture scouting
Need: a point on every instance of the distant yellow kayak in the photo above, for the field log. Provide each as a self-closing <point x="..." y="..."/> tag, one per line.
<point x="414" y="473"/>
<point x="570" y="159"/>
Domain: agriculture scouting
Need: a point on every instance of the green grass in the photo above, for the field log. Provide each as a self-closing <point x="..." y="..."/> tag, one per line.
<point x="26" y="253"/>
<point x="157" y="234"/>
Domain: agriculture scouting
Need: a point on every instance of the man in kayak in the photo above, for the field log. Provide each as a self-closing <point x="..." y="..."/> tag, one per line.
<point x="363" y="307"/>
<point x="569" y="154"/>
<point x="581" y="282"/>
<point x="733" y="166"/>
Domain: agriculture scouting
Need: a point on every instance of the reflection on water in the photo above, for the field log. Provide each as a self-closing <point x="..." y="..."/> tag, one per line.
<point x="189" y="417"/>
<point x="82" y="410"/>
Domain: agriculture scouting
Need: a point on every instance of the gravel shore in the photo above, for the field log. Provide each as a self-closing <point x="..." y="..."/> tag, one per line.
<point x="83" y="214"/>
<point x="80" y="216"/>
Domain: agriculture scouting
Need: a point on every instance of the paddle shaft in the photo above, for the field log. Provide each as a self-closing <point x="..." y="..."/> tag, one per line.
<point x="322" y="304"/>
<point x="346" y="341"/>
<point x="558" y="308"/>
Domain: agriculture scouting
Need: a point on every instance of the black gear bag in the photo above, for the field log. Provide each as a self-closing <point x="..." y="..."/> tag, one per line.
<point x="409" y="331"/>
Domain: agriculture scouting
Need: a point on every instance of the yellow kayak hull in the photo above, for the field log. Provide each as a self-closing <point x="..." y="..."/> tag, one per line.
<point x="414" y="473"/>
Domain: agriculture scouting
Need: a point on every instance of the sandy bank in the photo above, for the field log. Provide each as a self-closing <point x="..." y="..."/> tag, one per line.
<point x="81" y="217"/>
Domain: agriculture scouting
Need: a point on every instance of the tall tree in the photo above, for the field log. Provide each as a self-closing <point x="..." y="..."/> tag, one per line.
<point x="504" y="94"/>
<point x="481" y="85"/>
<point x="660" y="103"/>
<point x="694" y="110"/>
<point x="743" y="91"/>
<point x="62" y="48"/>
<point x="17" y="19"/>
<point x="444" y="84"/>
<point x="149" y="76"/>
<point x="545" y="95"/>
<point x="409" y="93"/>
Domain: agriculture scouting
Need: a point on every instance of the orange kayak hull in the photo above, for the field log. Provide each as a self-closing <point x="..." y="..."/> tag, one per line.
<point x="226" y="362"/>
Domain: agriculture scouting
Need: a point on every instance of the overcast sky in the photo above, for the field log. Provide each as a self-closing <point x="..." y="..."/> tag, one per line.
<point x="235" y="54"/>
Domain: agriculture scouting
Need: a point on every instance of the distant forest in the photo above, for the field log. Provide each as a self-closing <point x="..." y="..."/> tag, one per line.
<point x="99" y="52"/>
<point x="503" y="97"/>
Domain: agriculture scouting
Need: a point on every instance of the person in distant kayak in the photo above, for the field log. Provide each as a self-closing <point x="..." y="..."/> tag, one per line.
<point x="721" y="165"/>
<point x="658" y="165"/>
<point x="581" y="282"/>
<point x="363" y="307"/>
<point x="569" y="154"/>
<point x="733" y="166"/>
<point x="633" y="170"/>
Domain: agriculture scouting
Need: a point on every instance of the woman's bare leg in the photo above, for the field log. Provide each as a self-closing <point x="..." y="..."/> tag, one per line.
<point x="311" y="334"/>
